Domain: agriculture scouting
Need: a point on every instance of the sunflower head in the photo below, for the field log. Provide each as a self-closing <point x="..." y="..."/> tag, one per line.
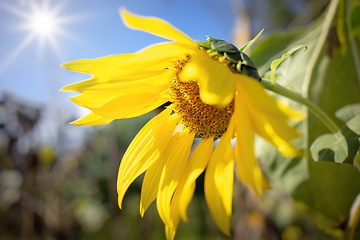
<point x="198" y="113"/>
<point x="214" y="92"/>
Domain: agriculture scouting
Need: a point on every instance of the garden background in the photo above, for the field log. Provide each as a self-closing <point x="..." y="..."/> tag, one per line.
<point x="58" y="181"/>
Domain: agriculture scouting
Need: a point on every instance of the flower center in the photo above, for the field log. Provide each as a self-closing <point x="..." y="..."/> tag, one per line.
<point x="203" y="119"/>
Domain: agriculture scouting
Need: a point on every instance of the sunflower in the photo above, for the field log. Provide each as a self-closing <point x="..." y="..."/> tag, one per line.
<point x="210" y="99"/>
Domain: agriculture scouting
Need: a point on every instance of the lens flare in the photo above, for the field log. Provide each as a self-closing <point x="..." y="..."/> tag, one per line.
<point x="43" y="23"/>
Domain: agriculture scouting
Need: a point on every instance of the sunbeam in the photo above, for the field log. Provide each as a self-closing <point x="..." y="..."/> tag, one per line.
<point x="43" y="24"/>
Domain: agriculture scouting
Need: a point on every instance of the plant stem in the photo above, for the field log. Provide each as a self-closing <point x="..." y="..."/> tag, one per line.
<point x="353" y="219"/>
<point x="318" y="112"/>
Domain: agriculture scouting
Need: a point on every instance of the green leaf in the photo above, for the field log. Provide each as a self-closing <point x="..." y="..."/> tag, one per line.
<point x="276" y="62"/>
<point x="285" y="173"/>
<point x="355" y="20"/>
<point x="347" y="112"/>
<point x="273" y="46"/>
<point x="248" y="44"/>
<point x="328" y="195"/>
<point x="328" y="75"/>
<point x="340" y="147"/>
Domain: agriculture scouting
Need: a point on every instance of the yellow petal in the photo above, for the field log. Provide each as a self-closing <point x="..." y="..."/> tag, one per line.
<point x="266" y="118"/>
<point x="152" y="176"/>
<point x="96" y="100"/>
<point x="254" y="93"/>
<point x="150" y="186"/>
<point x="278" y="134"/>
<point x="169" y="233"/>
<point x="147" y="61"/>
<point x="293" y="114"/>
<point x="129" y="105"/>
<point x="152" y="77"/>
<point x="144" y="150"/>
<point x="99" y="96"/>
<point x="155" y="26"/>
<point x="80" y="86"/>
<point x="154" y="57"/>
<point x="246" y="164"/>
<point x="172" y="172"/>
<point x="216" y="81"/>
<point x="101" y="93"/>
<point x="219" y="180"/>
<point x="91" y="119"/>
<point x="158" y="53"/>
<point x="98" y="65"/>
<point x="194" y="167"/>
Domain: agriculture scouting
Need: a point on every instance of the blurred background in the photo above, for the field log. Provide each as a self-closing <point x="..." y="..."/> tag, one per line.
<point x="58" y="181"/>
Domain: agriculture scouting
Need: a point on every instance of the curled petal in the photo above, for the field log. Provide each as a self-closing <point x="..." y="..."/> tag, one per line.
<point x="266" y="118"/>
<point x="216" y="81"/>
<point x="155" y="26"/>
<point x="295" y="115"/>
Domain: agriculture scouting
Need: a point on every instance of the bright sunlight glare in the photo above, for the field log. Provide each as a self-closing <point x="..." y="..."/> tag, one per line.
<point x="43" y="23"/>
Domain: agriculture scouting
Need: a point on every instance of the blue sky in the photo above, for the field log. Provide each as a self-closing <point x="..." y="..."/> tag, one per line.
<point x="89" y="29"/>
<point x="86" y="29"/>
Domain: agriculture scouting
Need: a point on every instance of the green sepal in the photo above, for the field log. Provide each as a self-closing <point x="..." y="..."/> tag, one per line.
<point x="242" y="63"/>
<point x="247" y="66"/>
<point x="252" y="72"/>
<point x="247" y="60"/>
<point x="233" y="57"/>
<point x="223" y="46"/>
<point x="211" y="39"/>
<point x="205" y="45"/>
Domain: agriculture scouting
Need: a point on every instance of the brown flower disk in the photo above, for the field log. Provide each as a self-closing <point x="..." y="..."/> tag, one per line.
<point x="203" y="119"/>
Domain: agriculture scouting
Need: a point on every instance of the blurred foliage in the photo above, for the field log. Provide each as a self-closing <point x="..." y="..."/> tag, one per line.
<point x="46" y="193"/>
<point x="328" y="74"/>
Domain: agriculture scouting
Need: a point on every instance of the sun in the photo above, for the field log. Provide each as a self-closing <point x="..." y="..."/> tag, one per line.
<point x="42" y="23"/>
